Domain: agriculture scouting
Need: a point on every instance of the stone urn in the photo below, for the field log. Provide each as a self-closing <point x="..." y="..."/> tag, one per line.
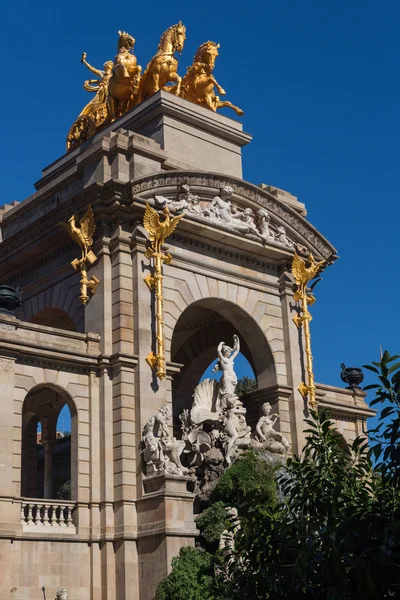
<point x="10" y="299"/>
<point x="353" y="376"/>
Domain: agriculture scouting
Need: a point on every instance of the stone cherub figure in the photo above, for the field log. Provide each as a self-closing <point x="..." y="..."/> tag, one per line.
<point x="226" y="357"/>
<point x="274" y="441"/>
<point x="161" y="452"/>
<point x="235" y="427"/>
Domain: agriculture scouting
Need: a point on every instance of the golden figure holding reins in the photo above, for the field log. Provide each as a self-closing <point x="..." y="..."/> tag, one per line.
<point x="83" y="236"/>
<point x="302" y="276"/>
<point x="115" y="91"/>
<point x="124" y="83"/>
<point x="120" y="85"/>
<point x="158" y="231"/>
<point x="198" y="84"/>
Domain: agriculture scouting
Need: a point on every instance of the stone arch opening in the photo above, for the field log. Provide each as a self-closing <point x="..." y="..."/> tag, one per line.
<point x="47" y="459"/>
<point x="197" y="333"/>
<point x="54" y="317"/>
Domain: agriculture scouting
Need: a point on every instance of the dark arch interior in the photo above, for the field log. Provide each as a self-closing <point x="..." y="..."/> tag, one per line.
<point x="196" y="336"/>
<point x="54" y="317"/>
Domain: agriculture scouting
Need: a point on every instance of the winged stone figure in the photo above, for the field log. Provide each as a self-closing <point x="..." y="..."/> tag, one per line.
<point x="83" y="235"/>
<point x="159" y="230"/>
<point x="303" y="274"/>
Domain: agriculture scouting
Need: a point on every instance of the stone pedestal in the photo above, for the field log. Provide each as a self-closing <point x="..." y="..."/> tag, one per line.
<point x="165" y="524"/>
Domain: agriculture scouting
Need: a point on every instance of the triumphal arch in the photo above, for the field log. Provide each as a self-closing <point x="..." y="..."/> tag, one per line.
<point x="142" y="257"/>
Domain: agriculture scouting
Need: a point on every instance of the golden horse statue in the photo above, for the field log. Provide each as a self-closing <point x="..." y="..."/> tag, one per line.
<point x="163" y="66"/>
<point x="124" y="83"/>
<point x="198" y="83"/>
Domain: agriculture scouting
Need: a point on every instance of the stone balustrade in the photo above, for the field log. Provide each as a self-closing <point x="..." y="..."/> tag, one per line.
<point x="47" y="515"/>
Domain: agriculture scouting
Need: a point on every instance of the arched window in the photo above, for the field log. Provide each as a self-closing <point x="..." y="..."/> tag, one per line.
<point x="49" y="445"/>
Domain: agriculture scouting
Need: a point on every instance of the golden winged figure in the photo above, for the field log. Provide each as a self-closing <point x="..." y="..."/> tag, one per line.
<point x="303" y="274"/>
<point x="83" y="235"/>
<point x="159" y="230"/>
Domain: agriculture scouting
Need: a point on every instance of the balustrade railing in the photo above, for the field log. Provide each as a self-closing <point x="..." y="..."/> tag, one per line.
<point x="49" y="515"/>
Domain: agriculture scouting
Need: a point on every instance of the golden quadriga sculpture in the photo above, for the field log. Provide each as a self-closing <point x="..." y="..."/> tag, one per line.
<point x="119" y="85"/>
<point x="158" y="231"/>
<point x="304" y="297"/>
<point x="83" y="236"/>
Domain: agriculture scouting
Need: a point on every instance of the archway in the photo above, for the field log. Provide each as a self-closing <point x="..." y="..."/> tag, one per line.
<point x="46" y="461"/>
<point x="54" y="317"/>
<point x="197" y="333"/>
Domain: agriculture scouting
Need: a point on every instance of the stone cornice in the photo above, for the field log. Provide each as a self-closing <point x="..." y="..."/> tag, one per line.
<point x="145" y="187"/>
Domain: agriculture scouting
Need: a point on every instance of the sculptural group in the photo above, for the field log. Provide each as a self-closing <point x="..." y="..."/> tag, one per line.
<point x="121" y="85"/>
<point x="222" y="212"/>
<point x="214" y="430"/>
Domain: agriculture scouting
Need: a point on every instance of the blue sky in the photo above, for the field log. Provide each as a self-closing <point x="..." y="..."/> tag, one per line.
<point x="319" y="84"/>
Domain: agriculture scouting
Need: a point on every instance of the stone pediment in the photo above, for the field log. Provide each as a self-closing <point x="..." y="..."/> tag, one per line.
<point x="235" y="206"/>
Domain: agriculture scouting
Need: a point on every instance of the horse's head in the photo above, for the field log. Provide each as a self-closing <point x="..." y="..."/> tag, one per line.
<point x="125" y="40"/>
<point x="207" y="53"/>
<point x="177" y="36"/>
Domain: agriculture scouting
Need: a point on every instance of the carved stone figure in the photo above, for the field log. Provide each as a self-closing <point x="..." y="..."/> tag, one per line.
<point x="62" y="594"/>
<point x="272" y="440"/>
<point x="198" y="83"/>
<point x="163" y="66"/>
<point x="236" y="430"/>
<point x="264" y="224"/>
<point x="205" y="407"/>
<point x="161" y="452"/>
<point x="226" y="357"/>
<point x="282" y="238"/>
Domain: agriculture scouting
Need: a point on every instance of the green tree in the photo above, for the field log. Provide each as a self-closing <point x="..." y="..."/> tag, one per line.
<point x="386" y="436"/>
<point x="334" y="535"/>
<point x="192" y="577"/>
<point x="249" y="479"/>
<point x="245" y="385"/>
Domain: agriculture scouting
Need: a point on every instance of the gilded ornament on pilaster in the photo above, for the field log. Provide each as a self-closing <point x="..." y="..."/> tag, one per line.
<point x="83" y="236"/>
<point x="304" y="297"/>
<point x="158" y="231"/>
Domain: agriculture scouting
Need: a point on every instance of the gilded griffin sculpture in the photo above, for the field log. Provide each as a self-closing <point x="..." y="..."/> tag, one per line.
<point x="83" y="236"/>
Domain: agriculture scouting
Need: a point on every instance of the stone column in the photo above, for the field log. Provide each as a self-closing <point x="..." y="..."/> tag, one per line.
<point x="48" y="446"/>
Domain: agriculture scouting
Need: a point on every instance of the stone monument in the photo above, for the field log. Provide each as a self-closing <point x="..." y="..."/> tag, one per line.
<point x="123" y="337"/>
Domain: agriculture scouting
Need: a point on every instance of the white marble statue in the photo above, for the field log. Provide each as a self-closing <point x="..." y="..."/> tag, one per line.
<point x="237" y="432"/>
<point x="161" y="452"/>
<point x="264" y="224"/>
<point x="226" y="357"/>
<point x="282" y="238"/>
<point x="62" y="594"/>
<point x="223" y="213"/>
<point x="272" y="440"/>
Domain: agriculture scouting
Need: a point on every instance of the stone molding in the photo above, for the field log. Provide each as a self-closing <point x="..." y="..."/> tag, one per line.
<point x="145" y="187"/>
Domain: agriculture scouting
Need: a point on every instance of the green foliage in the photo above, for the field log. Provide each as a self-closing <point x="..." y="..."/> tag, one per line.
<point x="245" y="385"/>
<point x="212" y="522"/>
<point x="248" y="480"/>
<point x="334" y="535"/>
<point x="386" y="437"/>
<point x="192" y="577"/>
